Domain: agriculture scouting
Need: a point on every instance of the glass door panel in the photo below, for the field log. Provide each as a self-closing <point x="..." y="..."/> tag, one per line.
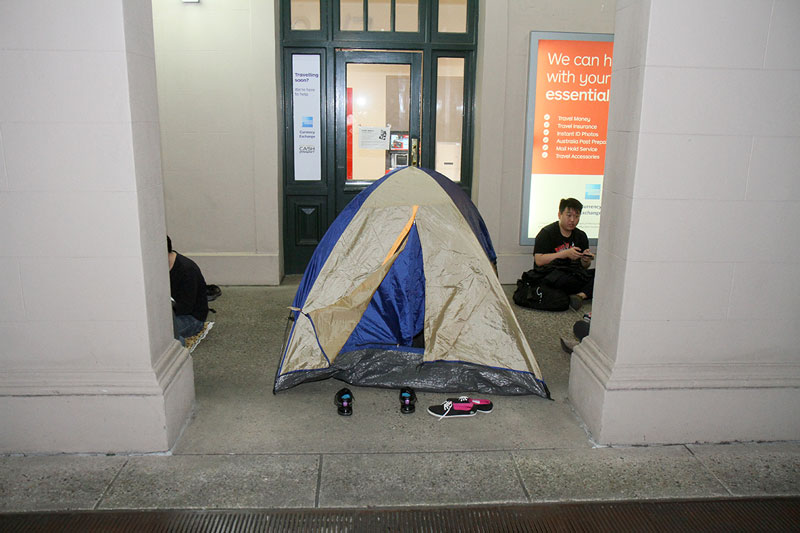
<point x="449" y="116"/>
<point x="378" y="104"/>
<point x="378" y="101"/>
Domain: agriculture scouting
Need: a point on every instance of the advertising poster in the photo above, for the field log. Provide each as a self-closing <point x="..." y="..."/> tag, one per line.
<point x="306" y="101"/>
<point x="567" y="126"/>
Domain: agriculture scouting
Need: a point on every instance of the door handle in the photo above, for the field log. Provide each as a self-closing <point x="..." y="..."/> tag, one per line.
<point x="414" y="152"/>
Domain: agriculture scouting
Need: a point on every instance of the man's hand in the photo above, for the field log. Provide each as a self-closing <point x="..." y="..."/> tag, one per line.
<point x="573" y="253"/>
<point x="586" y="258"/>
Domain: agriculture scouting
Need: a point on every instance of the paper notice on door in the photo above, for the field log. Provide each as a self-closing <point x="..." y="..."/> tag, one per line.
<point x="373" y="138"/>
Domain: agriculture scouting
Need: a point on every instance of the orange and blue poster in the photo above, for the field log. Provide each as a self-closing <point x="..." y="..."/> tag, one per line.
<point x="570" y="85"/>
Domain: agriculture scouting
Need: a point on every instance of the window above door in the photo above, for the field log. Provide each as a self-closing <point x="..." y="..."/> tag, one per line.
<point x="387" y="21"/>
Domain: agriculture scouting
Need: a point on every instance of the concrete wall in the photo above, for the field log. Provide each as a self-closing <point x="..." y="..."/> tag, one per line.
<point x="87" y="356"/>
<point x="502" y="85"/>
<point x="694" y="333"/>
<point x="220" y="126"/>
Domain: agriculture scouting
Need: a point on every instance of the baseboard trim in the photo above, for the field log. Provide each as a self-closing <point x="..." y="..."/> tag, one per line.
<point x="728" y="375"/>
<point x="239" y="268"/>
<point x="79" y="382"/>
<point x="93" y="382"/>
<point x="511" y="266"/>
<point x="674" y="404"/>
<point x="91" y="411"/>
<point x="169" y="364"/>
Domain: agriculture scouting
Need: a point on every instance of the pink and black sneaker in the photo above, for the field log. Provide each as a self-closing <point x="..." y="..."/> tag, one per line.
<point x="481" y="406"/>
<point x="450" y="409"/>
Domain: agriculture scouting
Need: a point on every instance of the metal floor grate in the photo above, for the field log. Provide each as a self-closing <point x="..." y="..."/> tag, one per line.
<point x="770" y="514"/>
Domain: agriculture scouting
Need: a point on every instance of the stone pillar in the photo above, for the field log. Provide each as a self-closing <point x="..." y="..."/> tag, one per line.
<point x="87" y="359"/>
<point x="694" y="334"/>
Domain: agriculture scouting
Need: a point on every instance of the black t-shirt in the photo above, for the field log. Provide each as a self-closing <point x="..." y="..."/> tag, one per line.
<point x="550" y="240"/>
<point x="188" y="288"/>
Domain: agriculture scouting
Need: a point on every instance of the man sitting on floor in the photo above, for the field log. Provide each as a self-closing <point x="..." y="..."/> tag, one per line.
<point x="189" y="295"/>
<point x="561" y="254"/>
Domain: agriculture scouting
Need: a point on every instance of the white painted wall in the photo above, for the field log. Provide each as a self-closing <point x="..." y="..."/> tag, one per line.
<point x="695" y="334"/>
<point x="502" y="78"/>
<point x="87" y="356"/>
<point x="218" y="84"/>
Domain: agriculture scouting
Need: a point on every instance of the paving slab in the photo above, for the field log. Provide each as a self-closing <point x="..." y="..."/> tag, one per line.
<point x="55" y="483"/>
<point x="652" y="472"/>
<point x="385" y="480"/>
<point x="753" y="469"/>
<point x="214" y="482"/>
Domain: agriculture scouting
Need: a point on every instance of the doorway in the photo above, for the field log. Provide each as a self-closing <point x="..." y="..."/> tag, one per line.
<point x="369" y="87"/>
<point x="378" y="104"/>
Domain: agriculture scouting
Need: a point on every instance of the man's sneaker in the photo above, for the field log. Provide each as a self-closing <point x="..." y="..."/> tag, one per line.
<point x="481" y="406"/>
<point x="581" y="328"/>
<point x="344" y="402"/>
<point x="453" y="409"/>
<point x="213" y="292"/>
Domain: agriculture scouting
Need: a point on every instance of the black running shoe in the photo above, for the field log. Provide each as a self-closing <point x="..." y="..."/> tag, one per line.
<point x="344" y="402"/>
<point x="407" y="400"/>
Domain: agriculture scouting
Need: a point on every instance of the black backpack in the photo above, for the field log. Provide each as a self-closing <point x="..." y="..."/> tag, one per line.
<point x="531" y="292"/>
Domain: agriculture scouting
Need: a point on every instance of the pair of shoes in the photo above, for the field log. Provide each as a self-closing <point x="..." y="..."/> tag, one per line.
<point x="461" y="406"/>
<point x="575" y="301"/>
<point x="344" y="402"/>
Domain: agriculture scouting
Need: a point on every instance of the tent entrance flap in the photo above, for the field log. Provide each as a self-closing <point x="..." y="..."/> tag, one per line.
<point x="403" y="234"/>
<point x="334" y="323"/>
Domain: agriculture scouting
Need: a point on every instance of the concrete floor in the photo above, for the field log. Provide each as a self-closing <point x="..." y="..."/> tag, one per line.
<point x="248" y="448"/>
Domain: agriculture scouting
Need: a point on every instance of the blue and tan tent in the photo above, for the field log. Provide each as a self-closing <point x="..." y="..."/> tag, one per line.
<point x="402" y="292"/>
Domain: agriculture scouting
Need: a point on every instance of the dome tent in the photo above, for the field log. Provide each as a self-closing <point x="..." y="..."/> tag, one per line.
<point x="401" y="292"/>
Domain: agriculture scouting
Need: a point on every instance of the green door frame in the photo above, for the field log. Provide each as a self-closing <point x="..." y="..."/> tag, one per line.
<point x="311" y="206"/>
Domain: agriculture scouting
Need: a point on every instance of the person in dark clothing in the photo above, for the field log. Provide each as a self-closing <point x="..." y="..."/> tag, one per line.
<point x="561" y="254"/>
<point x="189" y="295"/>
